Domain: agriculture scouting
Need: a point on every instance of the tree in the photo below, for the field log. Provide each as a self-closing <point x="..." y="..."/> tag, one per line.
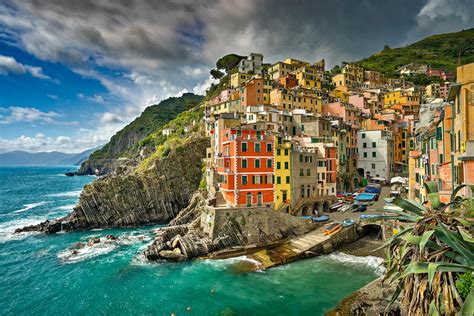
<point x="216" y="74"/>
<point x="432" y="255"/>
<point x="386" y="47"/>
<point x="228" y="62"/>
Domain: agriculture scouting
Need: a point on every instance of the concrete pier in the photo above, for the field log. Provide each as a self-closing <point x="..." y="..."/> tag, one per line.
<point x="308" y="245"/>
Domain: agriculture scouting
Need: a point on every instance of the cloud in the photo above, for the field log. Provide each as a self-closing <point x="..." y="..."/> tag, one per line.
<point x="29" y="115"/>
<point x="145" y="51"/>
<point x="16" y="114"/>
<point x="40" y="142"/>
<point x="10" y="65"/>
<point x="96" y="98"/>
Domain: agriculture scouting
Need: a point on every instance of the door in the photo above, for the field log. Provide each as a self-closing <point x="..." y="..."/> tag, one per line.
<point x="284" y="197"/>
<point x="249" y="199"/>
<point x="259" y="199"/>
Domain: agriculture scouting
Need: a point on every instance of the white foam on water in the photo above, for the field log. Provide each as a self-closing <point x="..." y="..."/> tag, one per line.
<point x="27" y="207"/>
<point x="68" y="207"/>
<point x="224" y="263"/>
<point x="66" y="194"/>
<point x="72" y="255"/>
<point x="7" y="229"/>
<point x="76" y="254"/>
<point x="375" y="263"/>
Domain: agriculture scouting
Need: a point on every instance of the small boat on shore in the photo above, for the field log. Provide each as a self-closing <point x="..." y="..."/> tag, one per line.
<point x="344" y="208"/>
<point x="332" y="229"/>
<point x="335" y="206"/>
<point x="321" y="218"/>
<point x="348" y="222"/>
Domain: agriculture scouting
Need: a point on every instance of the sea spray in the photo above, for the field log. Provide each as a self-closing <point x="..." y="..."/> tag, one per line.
<point x="372" y="262"/>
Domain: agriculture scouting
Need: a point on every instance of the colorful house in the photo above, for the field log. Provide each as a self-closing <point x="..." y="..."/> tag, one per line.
<point x="245" y="167"/>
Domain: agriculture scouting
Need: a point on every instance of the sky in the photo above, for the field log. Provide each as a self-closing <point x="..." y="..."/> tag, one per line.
<point x="72" y="73"/>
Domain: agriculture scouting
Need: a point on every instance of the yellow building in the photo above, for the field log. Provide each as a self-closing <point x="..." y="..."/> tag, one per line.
<point x="351" y="77"/>
<point x="282" y="172"/>
<point x="291" y="99"/>
<point x="281" y="69"/>
<point x="401" y="97"/>
<point x="238" y="79"/>
<point x="462" y="94"/>
<point x="340" y="93"/>
<point x="308" y="77"/>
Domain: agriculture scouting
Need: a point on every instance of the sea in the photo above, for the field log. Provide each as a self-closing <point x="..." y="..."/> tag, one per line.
<point x="43" y="275"/>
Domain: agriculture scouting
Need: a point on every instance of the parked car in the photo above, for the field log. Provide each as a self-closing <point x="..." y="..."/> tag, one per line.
<point x="348" y="222"/>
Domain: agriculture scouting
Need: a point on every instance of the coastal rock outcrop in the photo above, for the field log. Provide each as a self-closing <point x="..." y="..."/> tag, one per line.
<point x="198" y="231"/>
<point x="153" y="194"/>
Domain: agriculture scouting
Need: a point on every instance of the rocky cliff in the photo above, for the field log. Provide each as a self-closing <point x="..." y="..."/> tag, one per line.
<point x="125" y="145"/>
<point x="152" y="193"/>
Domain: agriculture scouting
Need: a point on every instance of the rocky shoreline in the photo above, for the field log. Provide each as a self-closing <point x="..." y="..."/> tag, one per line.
<point x="154" y="195"/>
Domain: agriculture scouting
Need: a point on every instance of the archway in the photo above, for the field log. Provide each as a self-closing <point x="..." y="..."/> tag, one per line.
<point x="326" y="206"/>
<point x="306" y="210"/>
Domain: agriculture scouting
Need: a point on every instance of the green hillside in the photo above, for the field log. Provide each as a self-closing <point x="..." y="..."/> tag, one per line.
<point x="151" y="120"/>
<point x="441" y="51"/>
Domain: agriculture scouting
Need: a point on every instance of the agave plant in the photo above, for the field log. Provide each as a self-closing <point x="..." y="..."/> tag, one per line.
<point x="426" y="257"/>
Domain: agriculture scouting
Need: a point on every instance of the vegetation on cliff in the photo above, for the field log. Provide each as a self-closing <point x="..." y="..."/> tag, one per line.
<point x="126" y="141"/>
<point x="440" y="51"/>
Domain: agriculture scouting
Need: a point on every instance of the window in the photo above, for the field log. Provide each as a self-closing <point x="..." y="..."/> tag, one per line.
<point x="374" y="144"/>
<point x="363" y="135"/>
<point x="257" y="163"/>
<point x="302" y="191"/>
<point x="286" y="165"/>
<point x="269" y="148"/>
<point x="301" y="158"/>
<point x="244" y="180"/>
<point x="257" y="147"/>
<point x="287" y="179"/>
<point x="365" y="155"/>
<point x="374" y="154"/>
<point x="269" y="163"/>
<point x="278" y="152"/>
<point x="278" y="165"/>
<point x="301" y="172"/>
<point x="373" y="166"/>
<point x="364" y="145"/>
<point x="278" y="180"/>
<point x="286" y="152"/>
<point x="308" y="172"/>
<point x="244" y="147"/>
<point x="244" y="163"/>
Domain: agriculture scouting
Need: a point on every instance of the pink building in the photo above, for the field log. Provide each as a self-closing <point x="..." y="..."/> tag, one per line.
<point x="360" y="102"/>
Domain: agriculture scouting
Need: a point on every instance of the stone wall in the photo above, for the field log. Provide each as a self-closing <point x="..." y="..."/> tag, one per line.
<point x="253" y="222"/>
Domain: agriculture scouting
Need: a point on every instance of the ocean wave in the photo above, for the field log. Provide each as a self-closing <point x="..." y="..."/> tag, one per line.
<point x="81" y="251"/>
<point x="27" y="207"/>
<point x="374" y="263"/>
<point x="7" y="229"/>
<point x="66" y="194"/>
<point x="72" y="255"/>
<point x="68" y="207"/>
<point x="225" y="263"/>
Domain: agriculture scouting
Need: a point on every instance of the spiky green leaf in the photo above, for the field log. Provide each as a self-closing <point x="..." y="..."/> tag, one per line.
<point x="465" y="235"/>
<point x="456" y="191"/>
<point x="424" y="239"/>
<point x="410" y="206"/>
<point x="431" y="187"/>
<point x="468" y="306"/>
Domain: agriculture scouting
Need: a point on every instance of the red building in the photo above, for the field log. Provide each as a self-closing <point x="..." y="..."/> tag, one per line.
<point x="245" y="167"/>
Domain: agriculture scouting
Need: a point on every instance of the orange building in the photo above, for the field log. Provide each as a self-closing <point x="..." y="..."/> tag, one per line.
<point x="245" y="167"/>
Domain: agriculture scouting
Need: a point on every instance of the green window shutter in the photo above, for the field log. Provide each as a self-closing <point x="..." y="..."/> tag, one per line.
<point x="374" y="154"/>
<point x="286" y="165"/>
<point x="287" y="179"/>
<point x="374" y="144"/>
<point x="269" y="163"/>
<point x="278" y="165"/>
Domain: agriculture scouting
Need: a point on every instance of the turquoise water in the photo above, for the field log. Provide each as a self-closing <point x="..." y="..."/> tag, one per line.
<point x="38" y="274"/>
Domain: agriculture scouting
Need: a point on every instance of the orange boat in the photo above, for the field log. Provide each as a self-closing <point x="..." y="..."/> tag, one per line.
<point x="332" y="229"/>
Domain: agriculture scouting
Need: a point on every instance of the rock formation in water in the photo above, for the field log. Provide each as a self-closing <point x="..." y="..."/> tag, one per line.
<point x="186" y="237"/>
<point x="153" y="195"/>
